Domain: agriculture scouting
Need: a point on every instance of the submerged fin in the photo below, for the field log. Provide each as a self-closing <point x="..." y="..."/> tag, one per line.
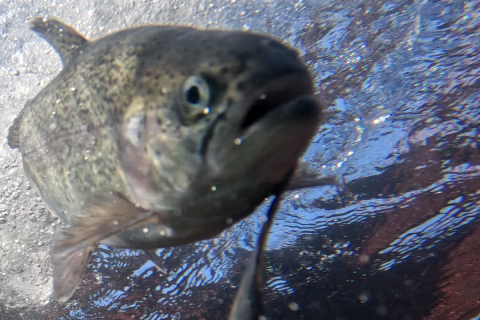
<point x="152" y="254"/>
<point x="248" y="303"/>
<point x="63" y="38"/>
<point x="67" y="278"/>
<point x="13" y="137"/>
<point x="305" y="177"/>
<point x="73" y="246"/>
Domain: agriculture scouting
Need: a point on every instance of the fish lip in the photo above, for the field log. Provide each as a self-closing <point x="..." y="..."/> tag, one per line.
<point x="271" y="98"/>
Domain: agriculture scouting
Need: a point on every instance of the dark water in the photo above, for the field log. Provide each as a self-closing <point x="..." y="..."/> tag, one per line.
<point x="401" y="80"/>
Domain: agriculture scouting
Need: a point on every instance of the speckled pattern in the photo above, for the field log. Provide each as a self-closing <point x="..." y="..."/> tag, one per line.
<point x="401" y="82"/>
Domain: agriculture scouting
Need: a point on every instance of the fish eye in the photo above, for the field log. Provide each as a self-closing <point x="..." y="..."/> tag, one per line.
<point x="196" y="92"/>
<point x="193" y="95"/>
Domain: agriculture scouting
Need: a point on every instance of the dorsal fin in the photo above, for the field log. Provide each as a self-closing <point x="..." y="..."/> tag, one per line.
<point x="63" y="38"/>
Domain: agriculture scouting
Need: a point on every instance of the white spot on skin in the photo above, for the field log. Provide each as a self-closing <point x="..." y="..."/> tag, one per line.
<point x="145" y="230"/>
<point x="213" y="188"/>
<point x="237" y="141"/>
<point x="165" y="232"/>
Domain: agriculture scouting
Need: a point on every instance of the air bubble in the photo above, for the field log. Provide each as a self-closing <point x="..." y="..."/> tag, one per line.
<point x="363" y="297"/>
<point x="293" y="306"/>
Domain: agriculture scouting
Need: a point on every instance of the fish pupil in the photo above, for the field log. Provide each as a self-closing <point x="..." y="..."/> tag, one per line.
<point x="193" y="95"/>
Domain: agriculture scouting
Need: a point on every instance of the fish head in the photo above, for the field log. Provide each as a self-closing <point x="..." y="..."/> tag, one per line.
<point x="218" y="108"/>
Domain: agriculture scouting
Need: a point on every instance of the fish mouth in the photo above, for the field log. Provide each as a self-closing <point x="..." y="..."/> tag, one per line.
<point x="271" y="99"/>
<point x="284" y="111"/>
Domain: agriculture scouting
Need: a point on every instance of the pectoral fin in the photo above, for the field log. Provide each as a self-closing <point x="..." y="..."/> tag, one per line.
<point x="305" y="177"/>
<point x="68" y="272"/>
<point x="152" y="254"/>
<point x="73" y="246"/>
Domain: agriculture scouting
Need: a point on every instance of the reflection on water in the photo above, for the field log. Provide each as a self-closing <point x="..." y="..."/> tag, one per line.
<point x="401" y="80"/>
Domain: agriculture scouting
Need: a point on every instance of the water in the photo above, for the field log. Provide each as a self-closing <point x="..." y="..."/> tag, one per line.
<point x="401" y="84"/>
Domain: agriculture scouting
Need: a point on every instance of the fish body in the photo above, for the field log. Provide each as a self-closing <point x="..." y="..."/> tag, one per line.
<point x="160" y="136"/>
